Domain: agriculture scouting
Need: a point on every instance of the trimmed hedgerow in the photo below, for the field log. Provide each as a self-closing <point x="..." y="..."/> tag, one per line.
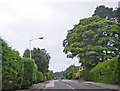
<point x="12" y="68"/>
<point x="30" y="72"/>
<point x="18" y="72"/>
<point x="39" y="76"/>
<point x="106" y="72"/>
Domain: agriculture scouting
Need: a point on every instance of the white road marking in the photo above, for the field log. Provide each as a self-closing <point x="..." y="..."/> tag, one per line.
<point x="70" y="87"/>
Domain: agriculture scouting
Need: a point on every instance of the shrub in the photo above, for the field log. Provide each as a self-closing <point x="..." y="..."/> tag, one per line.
<point x="79" y="74"/>
<point x="74" y="75"/>
<point x="106" y="72"/>
<point x="30" y="72"/>
<point x="39" y="76"/>
<point x="44" y="77"/>
<point x="87" y="75"/>
<point x="12" y="68"/>
<point x="50" y="75"/>
<point x="69" y="75"/>
<point x="17" y="72"/>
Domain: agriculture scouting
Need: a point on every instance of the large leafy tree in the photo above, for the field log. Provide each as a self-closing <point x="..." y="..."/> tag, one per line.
<point x="108" y="13"/>
<point x="92" y="40"/>
<point x="104" y="12"/>
<point x="41" y="58"/>
<point x="70" y="71"/>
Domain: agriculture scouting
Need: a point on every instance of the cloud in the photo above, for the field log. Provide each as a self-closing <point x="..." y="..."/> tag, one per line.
<point x="22" y="20"/>
<point x="13" y="11"/>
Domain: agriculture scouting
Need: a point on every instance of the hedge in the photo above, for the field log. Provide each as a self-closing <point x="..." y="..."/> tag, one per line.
<point x="18" y="72"/>
<point x="76" y="75"/>
<point x="39" y="77"/>
<point x="50" y="75"/>
<point x="44" y="77"/>
<point x="30" y="72"/>
<point x="69" y="75"/>
<point x="106" y="72"/>
<point x="12" y="68"/>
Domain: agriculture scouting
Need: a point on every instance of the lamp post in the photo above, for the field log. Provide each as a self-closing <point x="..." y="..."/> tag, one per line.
<point x="30" y="43"/>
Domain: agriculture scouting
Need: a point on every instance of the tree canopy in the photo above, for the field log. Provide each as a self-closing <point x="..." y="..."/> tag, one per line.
<point x="108" y="13"/>
<point x="41" y="58"/>
<point x="92" y="40"/>
<point x="70" y="71"/>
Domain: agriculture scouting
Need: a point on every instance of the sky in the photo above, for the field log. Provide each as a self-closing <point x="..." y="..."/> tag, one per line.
<point x="23" y="20"/>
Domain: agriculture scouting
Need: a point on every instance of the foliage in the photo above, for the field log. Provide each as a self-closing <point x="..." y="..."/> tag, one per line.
<point x="44" y="77"/>
<point x="107" y="71"/>
<point x="70" y="71"/>
<point x="18" y="72"/>
<point x="39" y="76"/>
<point x="50" y="75"/>
<point x="69" y="75"/>
<point x="87" y="75"/>
<point x="58" y="75"/>
<point x="108" y="13"/>
<point x="30" y="72"/>
<point x="104" y="12"/>
<point x="1" y="41"/>
<point x="78" y="74"/>
<point x="92" y="40"/>
<point x="26" y="53"/>
<point x="41" y="58"/>
<point x="12" y="68"/>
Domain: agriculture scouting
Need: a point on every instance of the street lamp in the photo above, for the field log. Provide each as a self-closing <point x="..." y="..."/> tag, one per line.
<point x="30" y="43"/>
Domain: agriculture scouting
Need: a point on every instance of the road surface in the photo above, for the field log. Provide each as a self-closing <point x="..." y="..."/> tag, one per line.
<point x="71" y="85"/>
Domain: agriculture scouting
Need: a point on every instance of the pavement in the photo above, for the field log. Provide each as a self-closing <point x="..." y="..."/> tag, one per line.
<point x="71" y="85"/>
<point x="102" y="85"/>
<point x="75" y="85"/>
<point x="36" y="86"/>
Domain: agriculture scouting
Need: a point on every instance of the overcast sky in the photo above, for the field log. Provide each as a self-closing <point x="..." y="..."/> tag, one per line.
<point x="22" y="20"/>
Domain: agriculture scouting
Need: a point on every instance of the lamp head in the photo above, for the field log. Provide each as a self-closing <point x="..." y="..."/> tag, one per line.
<point x="40" y="37"/>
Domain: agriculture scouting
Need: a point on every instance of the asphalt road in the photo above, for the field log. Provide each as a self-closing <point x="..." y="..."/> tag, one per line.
<point x="71" y="85"/>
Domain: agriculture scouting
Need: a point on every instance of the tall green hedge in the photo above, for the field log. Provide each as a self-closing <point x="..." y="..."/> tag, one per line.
<point x="106" y="72"/>
<point x="44" y="77"/>
<point x="12" y="68"/>
<point x="18" y="72"/>
<point x="50" y="75"/>
<point x="87" y="75"/>
<point x="30" y="72"/>
<point x="39" y="77"/>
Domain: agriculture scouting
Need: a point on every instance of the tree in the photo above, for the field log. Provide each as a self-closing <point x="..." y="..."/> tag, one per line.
<point x="27" y="53"/>
<point x="104" y="12"/>
<point x="70" y="71"/>
<point x="108" y="13"/>
<point x="92" y="40"/>
<point x="41" y="58"/>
